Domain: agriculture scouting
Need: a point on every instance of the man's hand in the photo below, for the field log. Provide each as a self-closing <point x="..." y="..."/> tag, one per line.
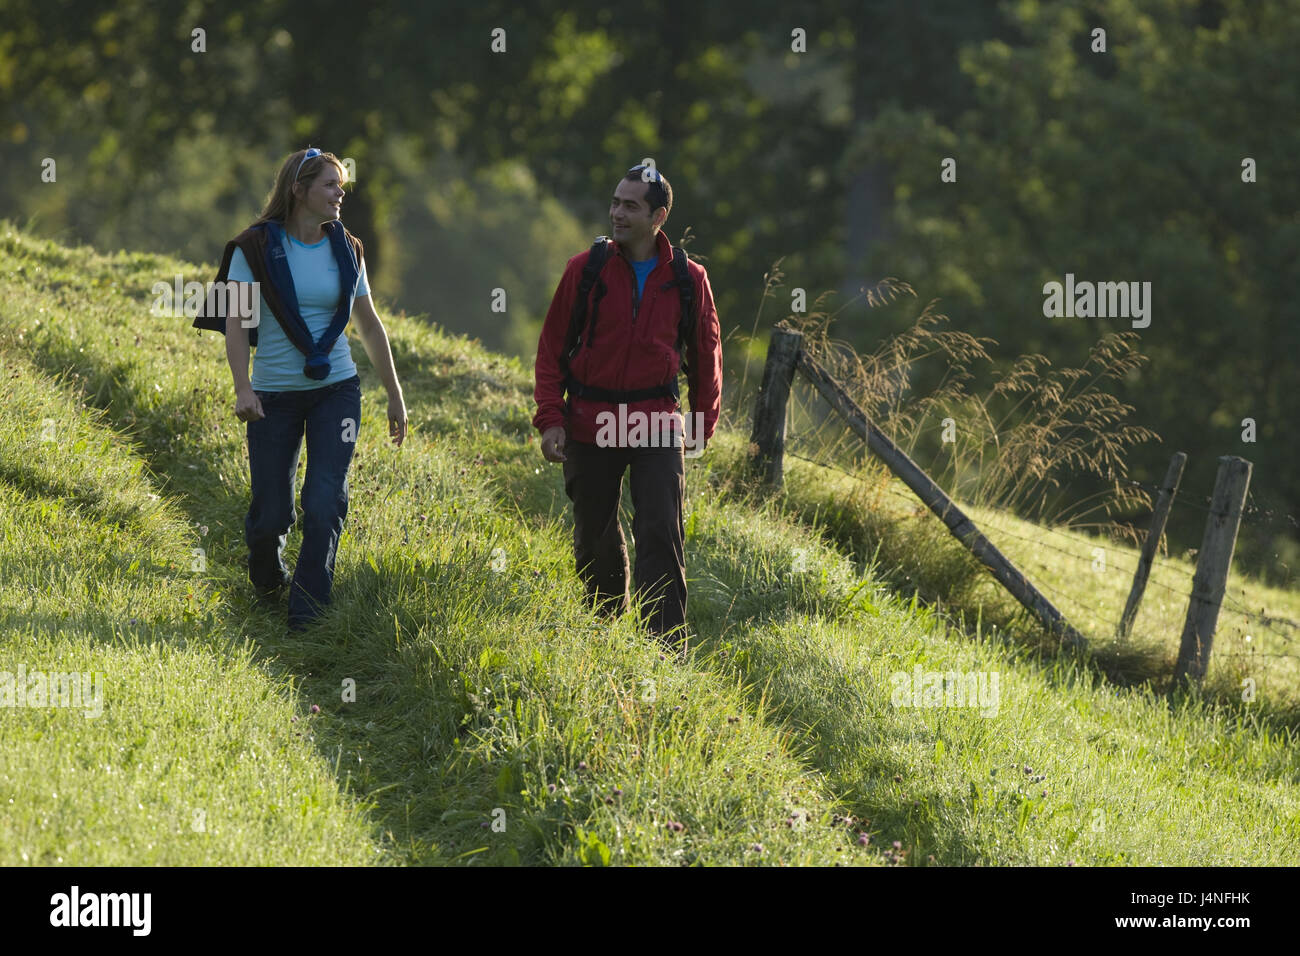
<point x="694" y="447"/>
<point x="248" y="407"/>
<point x="553" y="444"/>
<point x="396" y="418"/>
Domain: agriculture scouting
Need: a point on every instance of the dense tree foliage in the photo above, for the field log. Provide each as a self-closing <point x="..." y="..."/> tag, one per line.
<point x="814" y="133"/>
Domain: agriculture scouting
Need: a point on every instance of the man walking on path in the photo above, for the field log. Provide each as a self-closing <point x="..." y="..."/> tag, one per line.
<point x="627" y="315"/>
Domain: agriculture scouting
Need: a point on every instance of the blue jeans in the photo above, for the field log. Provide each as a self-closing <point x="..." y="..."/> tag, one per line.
<point x="330" y="417"/>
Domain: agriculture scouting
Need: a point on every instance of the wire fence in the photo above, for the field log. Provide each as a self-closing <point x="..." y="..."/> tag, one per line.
<point x="1238" y="621"/>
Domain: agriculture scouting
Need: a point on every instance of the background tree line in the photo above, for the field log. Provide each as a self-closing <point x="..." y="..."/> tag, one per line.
<point x="478" y="170"/>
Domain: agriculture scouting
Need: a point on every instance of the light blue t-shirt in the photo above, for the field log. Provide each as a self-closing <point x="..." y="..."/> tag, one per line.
<point x="643" y="269"/>
<point x="277" y="363"/>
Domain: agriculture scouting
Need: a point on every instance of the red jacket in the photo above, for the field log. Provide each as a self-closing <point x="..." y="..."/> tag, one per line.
<point x="628" y="353"/>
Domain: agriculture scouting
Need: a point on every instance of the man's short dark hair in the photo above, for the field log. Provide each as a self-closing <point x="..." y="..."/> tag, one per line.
<point x="660" y="192"/>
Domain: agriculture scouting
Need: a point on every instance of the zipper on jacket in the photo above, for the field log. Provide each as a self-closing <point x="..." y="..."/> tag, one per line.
<point x="636" y="293"/>
<point x="636" y="304"/>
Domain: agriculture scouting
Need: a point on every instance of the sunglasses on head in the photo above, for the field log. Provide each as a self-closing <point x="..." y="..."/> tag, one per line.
<point x="653" y="177"/>
<point x="310" y="154"/>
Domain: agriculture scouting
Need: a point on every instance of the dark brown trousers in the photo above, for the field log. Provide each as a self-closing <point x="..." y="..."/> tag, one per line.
<point x="593" y="480"/>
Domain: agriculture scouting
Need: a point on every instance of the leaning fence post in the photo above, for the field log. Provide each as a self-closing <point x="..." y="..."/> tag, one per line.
<point x="1163" y="503"/>
<point x="1212" y="564"/>
<point x="960" y="526"/>
<point x="767" y="442"/>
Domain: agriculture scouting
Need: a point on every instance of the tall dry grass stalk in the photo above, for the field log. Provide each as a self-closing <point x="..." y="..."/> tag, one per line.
<point x="1011" y="448"/>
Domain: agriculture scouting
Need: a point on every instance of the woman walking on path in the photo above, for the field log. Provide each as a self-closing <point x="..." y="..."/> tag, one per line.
<point x="311" y="275"/>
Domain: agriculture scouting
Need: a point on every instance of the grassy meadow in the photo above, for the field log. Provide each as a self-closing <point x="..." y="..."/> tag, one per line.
<point x="459" y="704"/>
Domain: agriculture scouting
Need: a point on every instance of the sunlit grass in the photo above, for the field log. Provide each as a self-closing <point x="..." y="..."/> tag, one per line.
<point x="494" y="719"/>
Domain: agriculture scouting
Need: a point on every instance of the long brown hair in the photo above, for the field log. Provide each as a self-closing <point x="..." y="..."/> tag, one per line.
<point x="280" y="200"/>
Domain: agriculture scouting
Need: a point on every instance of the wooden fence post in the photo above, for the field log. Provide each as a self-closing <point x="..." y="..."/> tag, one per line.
<point x="1163" y="503"/>
<point x="1212" y="564"/>
<point x="961" y="527"/>
<point x="767" y="441"/>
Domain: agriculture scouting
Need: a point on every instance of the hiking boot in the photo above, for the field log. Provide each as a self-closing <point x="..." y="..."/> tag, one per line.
<point x="274" y="592"/>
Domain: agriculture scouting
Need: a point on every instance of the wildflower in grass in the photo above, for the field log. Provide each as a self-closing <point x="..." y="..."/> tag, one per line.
<point x="864" y="839"/>
<point x="315" y="708"/>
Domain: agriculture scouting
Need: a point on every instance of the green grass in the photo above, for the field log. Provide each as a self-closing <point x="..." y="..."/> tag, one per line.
<point x="1087" y="577"/>
<point x="194" y="757"/>
<point x="496" y="720"/>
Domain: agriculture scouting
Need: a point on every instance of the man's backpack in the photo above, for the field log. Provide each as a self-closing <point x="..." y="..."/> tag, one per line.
<point x="578" y="324"/>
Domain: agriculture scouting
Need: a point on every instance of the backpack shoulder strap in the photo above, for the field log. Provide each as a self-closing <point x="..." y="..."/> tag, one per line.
<point x="686" y="291"/>
<point x="212" y="314"/>
<point x="596" y="260"/>
<point x="358" y="249"/>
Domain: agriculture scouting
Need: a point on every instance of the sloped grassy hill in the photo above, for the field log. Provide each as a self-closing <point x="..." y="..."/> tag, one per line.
<point x="495" y="720"/>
